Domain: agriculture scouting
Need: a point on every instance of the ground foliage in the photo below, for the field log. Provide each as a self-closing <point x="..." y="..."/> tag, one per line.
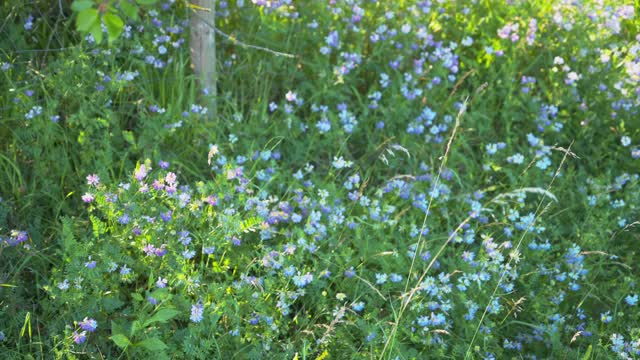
<point x="421" y="179"/>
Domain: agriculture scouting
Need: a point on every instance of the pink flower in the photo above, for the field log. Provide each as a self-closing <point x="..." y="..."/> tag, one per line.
<point x="93" y="180"/>
<point x="88" y="198"/>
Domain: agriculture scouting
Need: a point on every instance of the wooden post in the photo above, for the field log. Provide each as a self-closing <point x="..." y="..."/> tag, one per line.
<point x="203" y="48"/>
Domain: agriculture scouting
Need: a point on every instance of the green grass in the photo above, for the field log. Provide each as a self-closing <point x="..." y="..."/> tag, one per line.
<point x="107" y="126"/>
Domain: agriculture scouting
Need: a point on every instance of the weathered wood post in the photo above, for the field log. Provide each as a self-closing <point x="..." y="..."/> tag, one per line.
<point x="203" y="48"/>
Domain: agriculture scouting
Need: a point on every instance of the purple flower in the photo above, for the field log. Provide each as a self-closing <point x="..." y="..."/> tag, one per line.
<point x="88" y="324"/>
<point x="79" y="338"/>
<point x="163" y="164"/>
<point x="88" y="198"/>
<point x="161" y="251"/>
<point x="124" y="219"/>
<point x="161" y="283"/>
<point x="166" y="216"/>
<point x="149" y="249"/>
<point x="141" y="173"/>
<point x="350" y="272"/>
<point x="332" y="39"/>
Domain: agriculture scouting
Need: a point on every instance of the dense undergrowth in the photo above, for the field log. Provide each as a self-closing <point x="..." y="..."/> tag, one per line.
<point x="422" y="179"/>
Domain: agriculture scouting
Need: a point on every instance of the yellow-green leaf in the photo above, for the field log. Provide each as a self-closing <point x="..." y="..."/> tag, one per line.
<point x="114" y="26"/>
<point x="86" y="19"/>
<point x="96" y="31"/>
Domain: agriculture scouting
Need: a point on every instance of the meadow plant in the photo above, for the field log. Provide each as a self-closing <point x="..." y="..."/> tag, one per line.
<point x="421" y="179"/>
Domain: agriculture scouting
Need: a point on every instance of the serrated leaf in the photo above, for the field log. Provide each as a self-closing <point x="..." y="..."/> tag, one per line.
<point x="80" y="5"/>
<point x="87" y="19"/>
<point x="146" y="2"/>
<point x="152" y="344"/>
<point x="114" y="25"/>
<point x="163" y="315"/>
<point x="120" y="340"/>
<point x="96" y="31"/>
<point x="129" y="9"/>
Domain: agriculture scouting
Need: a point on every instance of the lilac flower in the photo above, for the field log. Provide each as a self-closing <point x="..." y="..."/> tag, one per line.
<point x="88" y="324"/>
<point x="170" y="178"/>
<point x="79" y="338"/>
<point x="332" y="40"/>
<point x="349" y="273"/>
<point x="197" y="311"/>
<point x="166" y="216"/>
<point x="124" y="219"/>
<point x="88" y="198"/>
<point x="93" y="180"/>
<point x="141" y="173"/>
<point x="302" y="280"/>
<point x="161" y="251"/>
<point x="161" y="283"/>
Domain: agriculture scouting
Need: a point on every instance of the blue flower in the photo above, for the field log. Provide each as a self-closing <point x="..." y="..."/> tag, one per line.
<point x="631" y="300"/>
<point x="88" y="324"/>
<point x="196" y="312"/>
<point x="359" y="306"/>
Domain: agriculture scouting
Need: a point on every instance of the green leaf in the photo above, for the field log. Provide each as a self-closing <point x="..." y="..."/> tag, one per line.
<point x="114" y="26"/>
<point x="86" y="19"/>
<point x="135" y="326"/>
<point x="96" y="31"/>
<point x="587" y="354"/>
<point x="146" y="2"/>
<point x="137" y="297"/>
<point x="120" y="340"/>
<point x="128" y="137"/>
<point x="80" y="5"/>
<point x="152" y="344"/>
<point x="129" y="9"/>
<point x="163" y="315"/>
